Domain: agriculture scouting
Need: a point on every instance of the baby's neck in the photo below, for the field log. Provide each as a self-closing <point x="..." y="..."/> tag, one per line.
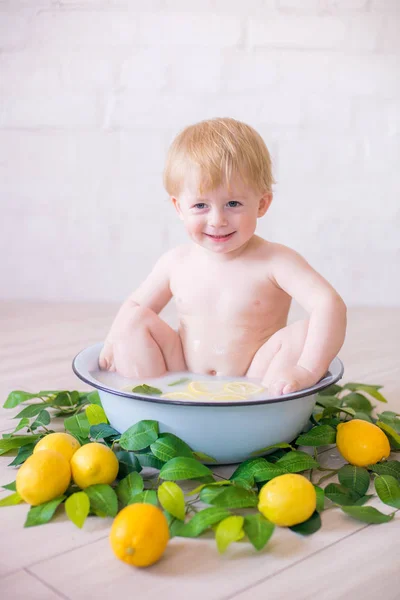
<point x="221" y="257"/>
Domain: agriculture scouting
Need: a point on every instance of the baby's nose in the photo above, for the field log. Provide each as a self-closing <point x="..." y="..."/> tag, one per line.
<point x="217" y="218"/>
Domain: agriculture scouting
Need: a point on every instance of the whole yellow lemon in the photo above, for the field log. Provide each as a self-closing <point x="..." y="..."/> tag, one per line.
<point x="361" y="443"/>
<point x="43" y="476"/>
<point x="94" y="463"/>
<point x="64" y="443"/>
<point x="287" y="500"/>
<point x="139" y="534"/>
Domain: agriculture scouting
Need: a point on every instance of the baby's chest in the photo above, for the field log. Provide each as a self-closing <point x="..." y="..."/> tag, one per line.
<point x="222" y="296"/>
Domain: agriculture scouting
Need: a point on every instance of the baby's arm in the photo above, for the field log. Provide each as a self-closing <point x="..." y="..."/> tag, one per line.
<point x="327" y="322"/>
<point x="153" y="293"/>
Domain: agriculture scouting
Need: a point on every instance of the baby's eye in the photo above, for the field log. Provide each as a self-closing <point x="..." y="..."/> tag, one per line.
<point x="233" y="203"/>
<point x="200" y="205"/>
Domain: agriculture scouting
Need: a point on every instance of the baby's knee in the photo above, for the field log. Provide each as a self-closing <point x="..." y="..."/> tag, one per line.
<point x="142" y="316"/>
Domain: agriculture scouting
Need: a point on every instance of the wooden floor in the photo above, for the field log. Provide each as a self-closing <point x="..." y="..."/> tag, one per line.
<point x="346" y="559"/>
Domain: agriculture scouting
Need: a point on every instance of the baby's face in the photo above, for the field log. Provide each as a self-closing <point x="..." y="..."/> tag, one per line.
<point x="220" y="220"/>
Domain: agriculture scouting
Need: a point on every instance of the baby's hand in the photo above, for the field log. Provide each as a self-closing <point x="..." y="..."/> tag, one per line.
<point x="287" y="380"/>
<point x="106" y="359"/>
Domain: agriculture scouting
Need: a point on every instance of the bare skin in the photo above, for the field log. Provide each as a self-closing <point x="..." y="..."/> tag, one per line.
<point x="232" y="295"/>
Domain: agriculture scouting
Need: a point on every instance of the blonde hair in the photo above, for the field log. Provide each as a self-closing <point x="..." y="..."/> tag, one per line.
<point x="219" y="148"/>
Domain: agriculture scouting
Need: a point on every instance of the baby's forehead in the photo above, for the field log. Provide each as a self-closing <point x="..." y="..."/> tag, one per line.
<point x="195" y="185"/>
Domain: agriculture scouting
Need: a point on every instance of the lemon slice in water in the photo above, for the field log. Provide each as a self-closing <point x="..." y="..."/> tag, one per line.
<point x="205" y="388"/>
<point x="226" y="397"/>
<point x="243" y="388"/>
<point x="178" y="396"/>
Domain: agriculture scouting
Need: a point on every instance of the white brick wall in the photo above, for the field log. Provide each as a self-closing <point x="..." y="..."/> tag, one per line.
<point x="93" y="91"/>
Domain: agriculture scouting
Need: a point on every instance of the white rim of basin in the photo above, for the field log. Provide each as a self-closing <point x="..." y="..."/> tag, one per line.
<point x="80" y="368"/>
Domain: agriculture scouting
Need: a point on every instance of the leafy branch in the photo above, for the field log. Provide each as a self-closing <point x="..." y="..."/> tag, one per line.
<point x="151" y="464"/>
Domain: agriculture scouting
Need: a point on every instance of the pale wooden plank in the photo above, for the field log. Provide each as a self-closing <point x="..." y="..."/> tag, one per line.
<point x="27" y="545"/>
<point x="22" y="585"/>
<point x="189" y="568"/>
<point x="365" y="565"/>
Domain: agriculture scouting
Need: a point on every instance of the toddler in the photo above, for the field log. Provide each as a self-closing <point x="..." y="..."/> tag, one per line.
<point x="232" y="288"/>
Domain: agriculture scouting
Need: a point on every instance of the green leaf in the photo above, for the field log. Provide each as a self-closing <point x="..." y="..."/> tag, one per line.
<point x="16" y="397"/>
<point x="372" y="390"/>
<point x="140" y="435"/>
<point x="198" y="489"/>
<point x="389" y="467"/>
<point x="297" y="461"/>
<point x="362" y="416"/>
<point x="229" y="530"/>
<point x="202" y="521"/>
<point x="320" y="435"/>
<point x="247" y="484"/>
<point x="388" y="490"/>
<point x="95" y="414"/>
<point x="367" y="514"/>
<point x="258" y="529"/>
<point x="11" y="500"/>
<point x="43" y="418"/>
<point x="327" y="401"/>
<point x="332" y="390"/>
<point x="30" y="411"/>
<point x="320" y="498"/>
<point x="148" y="460"/>
<point x="235" y="497"/>
<point x="147" y="389"/>
<point x="23" y="423"/>
<point x="209" y="493"/>
<point x="128" y="463"/>
<point x="394" y="437"/>
<point x="129" y="487"/>
<point x="16" y="441"/>
<point x="334" y="410"/>
<point x="103" y="431"/>
<point x="78" y="426"/>
<point x="354" y="478"/>
<point x="41" y="514"/>
<point x="248" y="468"/>
<point x="257" y="469"/>
<point x="308" y="527"/>
<point x="10" y="486"/>
<point x="169" y="446"/>
<point x="77" y="507"/>
<point x="183" y="468"/>
<point x="23" y="453"/>
<point x="149" y="497"/>
<point x="65" y="399"/>
<point x="357" y="402"/>
<point x="390" y="418"/>
<point x="90" y="397"/>
<point x="172" y="499"/>
<point x="268" y="472"/>
<point x="204" y="457"/>
<point x="340" y="495"/>
<point x="146" y="497"/>
<point x="268" y="448"/>
<point x="103" y="500"/>
<point x="179" y="381"/>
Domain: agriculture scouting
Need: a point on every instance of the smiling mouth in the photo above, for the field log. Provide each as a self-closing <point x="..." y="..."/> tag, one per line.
<point x="220" y="237"/>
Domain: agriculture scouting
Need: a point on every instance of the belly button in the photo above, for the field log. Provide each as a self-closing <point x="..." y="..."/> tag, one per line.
<point x="212" y="372"/>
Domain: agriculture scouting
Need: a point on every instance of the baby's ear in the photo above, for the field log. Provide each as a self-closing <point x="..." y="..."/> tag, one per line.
<point x="175" y="202"/>
<point x="264" y="203"/>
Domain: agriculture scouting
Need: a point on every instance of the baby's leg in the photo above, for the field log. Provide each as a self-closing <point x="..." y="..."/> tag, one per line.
<point x="147" y="348"/>
<point x="275" y="363"/>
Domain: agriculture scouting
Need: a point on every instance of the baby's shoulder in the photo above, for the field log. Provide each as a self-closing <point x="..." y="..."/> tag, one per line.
<point x="280" y="251"/>
<point x="175" y="255"/>
<point x="272" y="251"/>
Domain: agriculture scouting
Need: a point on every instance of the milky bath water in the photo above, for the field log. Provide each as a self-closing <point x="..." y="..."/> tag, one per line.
<point x="186" y="386"/>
